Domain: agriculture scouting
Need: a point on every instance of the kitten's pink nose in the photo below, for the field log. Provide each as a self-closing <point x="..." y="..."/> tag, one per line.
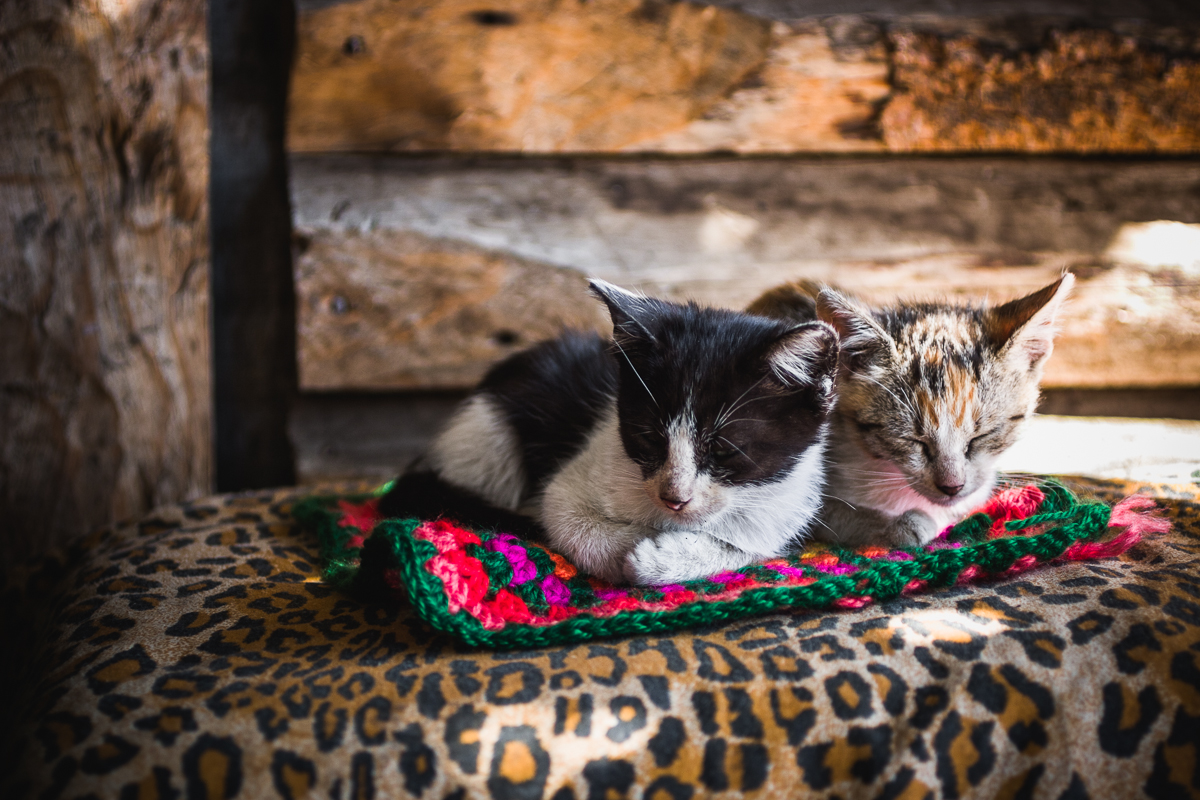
<point x="950" y="491"/>
<point x="673" y="503"/>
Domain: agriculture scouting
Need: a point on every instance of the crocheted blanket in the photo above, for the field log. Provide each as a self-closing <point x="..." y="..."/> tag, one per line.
<point x="493" y="589"/>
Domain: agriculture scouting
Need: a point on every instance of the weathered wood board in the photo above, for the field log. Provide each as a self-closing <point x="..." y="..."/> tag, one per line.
<point x="417" y="312"/>
<point x="771" y="76"/>
<point x="104" y="348"/>
<point x="389" y="240"/>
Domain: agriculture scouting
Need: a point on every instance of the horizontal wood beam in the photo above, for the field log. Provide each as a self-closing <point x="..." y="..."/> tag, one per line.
<point x="419" y="274"/>
<point x="611" y="76"/>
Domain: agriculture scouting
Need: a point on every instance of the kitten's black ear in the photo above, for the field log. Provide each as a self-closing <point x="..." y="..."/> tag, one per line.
<point x="631" y="313"/>
<point x="863" y="339"/>
<point x="806" y="355"/>
<point x="1025" y="327"/>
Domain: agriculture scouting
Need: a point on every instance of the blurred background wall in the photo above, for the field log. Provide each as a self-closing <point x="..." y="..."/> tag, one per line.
<point x="458" y="168"/>
<point x="403" y="192"/>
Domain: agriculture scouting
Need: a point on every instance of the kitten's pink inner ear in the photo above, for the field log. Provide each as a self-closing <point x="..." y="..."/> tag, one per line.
<point x="1027" y="324"/>
<point x="857" y="331"/>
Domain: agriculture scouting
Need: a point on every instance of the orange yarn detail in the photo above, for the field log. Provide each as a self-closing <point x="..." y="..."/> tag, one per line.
<point x="562" y="568"/>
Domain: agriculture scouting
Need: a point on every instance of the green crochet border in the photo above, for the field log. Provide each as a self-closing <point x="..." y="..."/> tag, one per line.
<point x="392" y="546"/>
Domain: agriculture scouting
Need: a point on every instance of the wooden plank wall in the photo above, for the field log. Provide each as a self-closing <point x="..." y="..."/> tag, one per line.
<point x="104" y="349"/>
<point x="458" y="170"/>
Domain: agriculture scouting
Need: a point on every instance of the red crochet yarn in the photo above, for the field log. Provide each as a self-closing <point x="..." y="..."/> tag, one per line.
<point x="494" y="588"/>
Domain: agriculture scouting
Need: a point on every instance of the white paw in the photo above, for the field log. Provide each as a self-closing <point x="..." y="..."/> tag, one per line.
<point x="679" y="556"/>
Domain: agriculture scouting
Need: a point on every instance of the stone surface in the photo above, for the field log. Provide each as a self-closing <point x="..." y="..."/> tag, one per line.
<point x="104" y="340"/>
<point x="392" y="309"/>
<point x="536" y="76"/>
<point x="722" y="231"/>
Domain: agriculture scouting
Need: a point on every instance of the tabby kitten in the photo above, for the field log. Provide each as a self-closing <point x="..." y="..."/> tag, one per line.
<point x="689" y="444"/>
<point x="929" y="395"/>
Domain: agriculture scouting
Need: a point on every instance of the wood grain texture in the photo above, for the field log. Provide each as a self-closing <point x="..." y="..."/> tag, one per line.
<point x="1083" y="91"/>
<point x="537" y="76"/>
<point x="399" y="310"/>
<point x="608" y="75"/>
<point x="104" y="400"/>
<point x="722" y="231"/>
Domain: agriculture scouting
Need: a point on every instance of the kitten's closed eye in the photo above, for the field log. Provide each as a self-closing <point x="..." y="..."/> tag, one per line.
<point x="725" y="452"/>
<point x="925" y="449"/>
<point x="980" y="438"/>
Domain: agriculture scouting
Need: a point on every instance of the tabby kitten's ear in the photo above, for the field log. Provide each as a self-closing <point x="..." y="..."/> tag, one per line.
<point x="795" y="302"/>
<point x="631" y="313"/>
<point x="1025" y="328"/>
<point x="863" y="340"/>
<point x="806" y="355"/>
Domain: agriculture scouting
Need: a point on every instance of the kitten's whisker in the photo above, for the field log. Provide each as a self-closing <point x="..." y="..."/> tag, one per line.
<point x="735" y="447"/>
<point x="635" y="372"/>
<point x="828" y="496"/>
<point x="738" y="403"/>
<point x="741" y="419"/>
<point x="907" y="403"/>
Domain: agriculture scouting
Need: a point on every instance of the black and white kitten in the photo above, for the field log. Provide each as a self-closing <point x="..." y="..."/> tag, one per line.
<point x="691" y="443"/>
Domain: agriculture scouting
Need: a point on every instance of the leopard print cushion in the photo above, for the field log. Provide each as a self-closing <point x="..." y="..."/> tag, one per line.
<point x="196" y="654"/>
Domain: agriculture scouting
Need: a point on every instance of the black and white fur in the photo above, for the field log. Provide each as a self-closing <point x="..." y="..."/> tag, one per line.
<point x="691" y="443"/>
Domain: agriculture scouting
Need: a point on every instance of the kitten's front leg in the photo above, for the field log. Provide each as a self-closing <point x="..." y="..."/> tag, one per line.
<point x="911" y="529"/>
<point x="682" y="556"/>
<point x="866" y="527"/>
<point x="588" y="538"/>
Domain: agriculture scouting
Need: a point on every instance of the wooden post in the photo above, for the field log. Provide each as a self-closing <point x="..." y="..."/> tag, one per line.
<point x="254" y="331"/>
<point x="104" y="345"/>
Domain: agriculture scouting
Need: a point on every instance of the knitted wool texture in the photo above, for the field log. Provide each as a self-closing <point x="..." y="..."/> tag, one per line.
<point x="490" y="588"/>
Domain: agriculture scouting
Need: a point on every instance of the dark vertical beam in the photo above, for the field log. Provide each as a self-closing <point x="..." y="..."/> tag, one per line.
<point x="253" y="300"/>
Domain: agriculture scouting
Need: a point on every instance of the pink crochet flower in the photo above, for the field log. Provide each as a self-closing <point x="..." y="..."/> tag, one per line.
<point x="445" y="535"/>
<point x="359" y="515"/>
<point x="523" y="568"/>
<point x="559" y="613"/>
<point x="463" y="578"/>
<point x="557" y="594"/>
<point x="511" y="607"/>
<point x="679" y="597"/>
<point x="1010" y="504"/>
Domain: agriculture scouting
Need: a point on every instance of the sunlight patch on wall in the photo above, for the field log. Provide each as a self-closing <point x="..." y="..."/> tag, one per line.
<point x="1161" y="243"/>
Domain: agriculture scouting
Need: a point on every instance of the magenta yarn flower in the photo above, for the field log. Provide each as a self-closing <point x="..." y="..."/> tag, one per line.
<point x="837" y="569"/>
<point x="523" y="569"/>
<point x="557" y="594"/>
